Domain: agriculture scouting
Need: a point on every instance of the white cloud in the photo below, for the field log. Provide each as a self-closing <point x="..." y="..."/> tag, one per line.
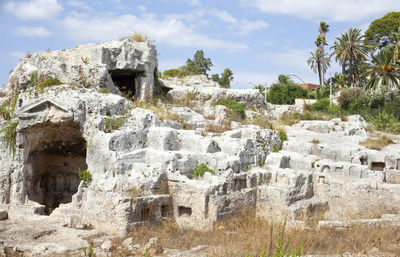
<point x="246" y="26"/>
<point x="224" y="16"/>
<point x="241" y="27"/>
<point x="336" y="10"/>
<point x="142" y="8"/>
<point x="76" y="3"/>
<point x="33" y="31"/>
<point x="169" y="30"/>
<point x="34" y="9"/>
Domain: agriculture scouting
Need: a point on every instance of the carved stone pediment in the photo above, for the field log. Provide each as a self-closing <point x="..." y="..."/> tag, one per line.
<point x="44" y="111"/>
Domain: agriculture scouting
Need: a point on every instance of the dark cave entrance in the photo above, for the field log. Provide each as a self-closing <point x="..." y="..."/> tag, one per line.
<point x="57" y="153"/>
<point x="127" y="81"/>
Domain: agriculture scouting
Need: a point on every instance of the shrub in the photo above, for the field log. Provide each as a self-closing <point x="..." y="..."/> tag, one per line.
<point x="9" y="138"/>
<point x="321" y="105"/>
<point x="85" y="175"/>
<point x="285" y="94"/>
<point x="385" y="122"/>
<point x="275" y="149"/>
<point x="201" y="169"/>
<point x="233" y="105"/>
<point x="348" y="99"/>
<point x="179" y="73"/>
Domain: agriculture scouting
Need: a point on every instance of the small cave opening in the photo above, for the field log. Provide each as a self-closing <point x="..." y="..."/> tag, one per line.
<point x="54" y="154"/>
<point x="127" y="81"/>
<point x="377" y="166"/>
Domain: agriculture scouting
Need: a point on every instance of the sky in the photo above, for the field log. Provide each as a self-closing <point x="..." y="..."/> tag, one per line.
<point x="256" y="39"/>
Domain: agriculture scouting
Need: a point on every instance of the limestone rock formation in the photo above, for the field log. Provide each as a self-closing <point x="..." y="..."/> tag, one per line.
<point x="93" y="159"/>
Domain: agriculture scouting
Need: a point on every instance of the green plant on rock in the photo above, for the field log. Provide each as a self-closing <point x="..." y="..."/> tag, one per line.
<point x="42" y="83"/>
<point x="113" y="124"/>
<point x="103" y="90"/>
<point x="282" y="135"/>
<point x="9" y="137"/>
<point x="201" y="169"/>
<point x="86" y="176"/>
<point x="7" y="109"/>
<point x="275" y="149"/>
<point x="237" y="108"/>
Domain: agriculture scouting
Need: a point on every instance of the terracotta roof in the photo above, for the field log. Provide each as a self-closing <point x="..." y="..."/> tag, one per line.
<point x="308" y="86"/>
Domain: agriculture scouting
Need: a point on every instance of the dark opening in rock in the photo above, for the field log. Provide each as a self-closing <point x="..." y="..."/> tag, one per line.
<point x="377" y="166"/>
<point x="127" y="81"/>
<point x="54" y="154"/>
<point x="182" y="210"/>
<point x="165" y="211"/>
<point x="145" y="214"/>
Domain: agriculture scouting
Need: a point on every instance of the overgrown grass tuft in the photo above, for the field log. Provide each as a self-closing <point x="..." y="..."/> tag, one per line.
<point x="113" y="124"/>
<point x="86" y="176"/>
<point x="137" y="36"/>
<point x="379" y="142"/>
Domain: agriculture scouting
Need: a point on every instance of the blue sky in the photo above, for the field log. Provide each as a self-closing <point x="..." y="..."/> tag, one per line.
<point x="256" y="39"/>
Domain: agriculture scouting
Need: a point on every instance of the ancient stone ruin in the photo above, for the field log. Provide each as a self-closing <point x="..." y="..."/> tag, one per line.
<point x="141" y="162"/>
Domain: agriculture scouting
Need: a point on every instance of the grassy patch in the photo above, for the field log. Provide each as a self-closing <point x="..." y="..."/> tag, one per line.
<point x="245" y="234"/>
<point x="42" y="83"/>
<point x="7" y="108"/>
<point x="137" y="36"/>
<point x="314" y="141"/>
<point x="379" y="142"/>
<point x="218" y="128"/>
<point x="237" y="109"/>
<point x="282" y="135"/>
<point x="113" y="124"/>
<point x="201" y="169"/>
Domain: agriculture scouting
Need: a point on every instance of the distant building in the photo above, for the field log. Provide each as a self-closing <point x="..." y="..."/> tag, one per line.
<point x="308" y="86"/>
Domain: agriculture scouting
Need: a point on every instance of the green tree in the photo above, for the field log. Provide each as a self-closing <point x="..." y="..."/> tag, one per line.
<point x="323" y="29"/>
<point x="378" y="33"/>
<point x="226" y="78"/>
<point x="319" y="63"/>
<point x="199" y="65"/>
<point x="383" y="71"/>
<point x="349" y="48"/>
<point x="285" y="91"/>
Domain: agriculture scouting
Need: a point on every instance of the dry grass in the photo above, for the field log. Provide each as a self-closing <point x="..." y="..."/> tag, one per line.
<point x="162" y="112"/>
<point x="218" y="128"/>
<point x="315" y="141"/>
<point x="238" y="235"/>
<point x="189" y="100"/>
<point x="378" y="142"/>
<point x="137" y="36"/>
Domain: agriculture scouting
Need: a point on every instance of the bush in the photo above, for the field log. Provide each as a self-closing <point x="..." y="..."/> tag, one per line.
<point x="233" y="105"/>
<point x="201" y="169"/>
<point x="385" y="122"/>
<point x="7" y="108"/>
<point x="348" y="99"/>
<point x="321" y="105"/>
<point x="285" y="94"/>
<point x="85" y="175"/>
<point x="179" y="73"/>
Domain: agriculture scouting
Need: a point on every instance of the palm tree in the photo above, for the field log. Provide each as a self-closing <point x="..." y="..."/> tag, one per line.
<point x="349" y="48"/>
<point x="323" y="28"/>
<point x="319" y="63"/>
<point x="383" y="71"/>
